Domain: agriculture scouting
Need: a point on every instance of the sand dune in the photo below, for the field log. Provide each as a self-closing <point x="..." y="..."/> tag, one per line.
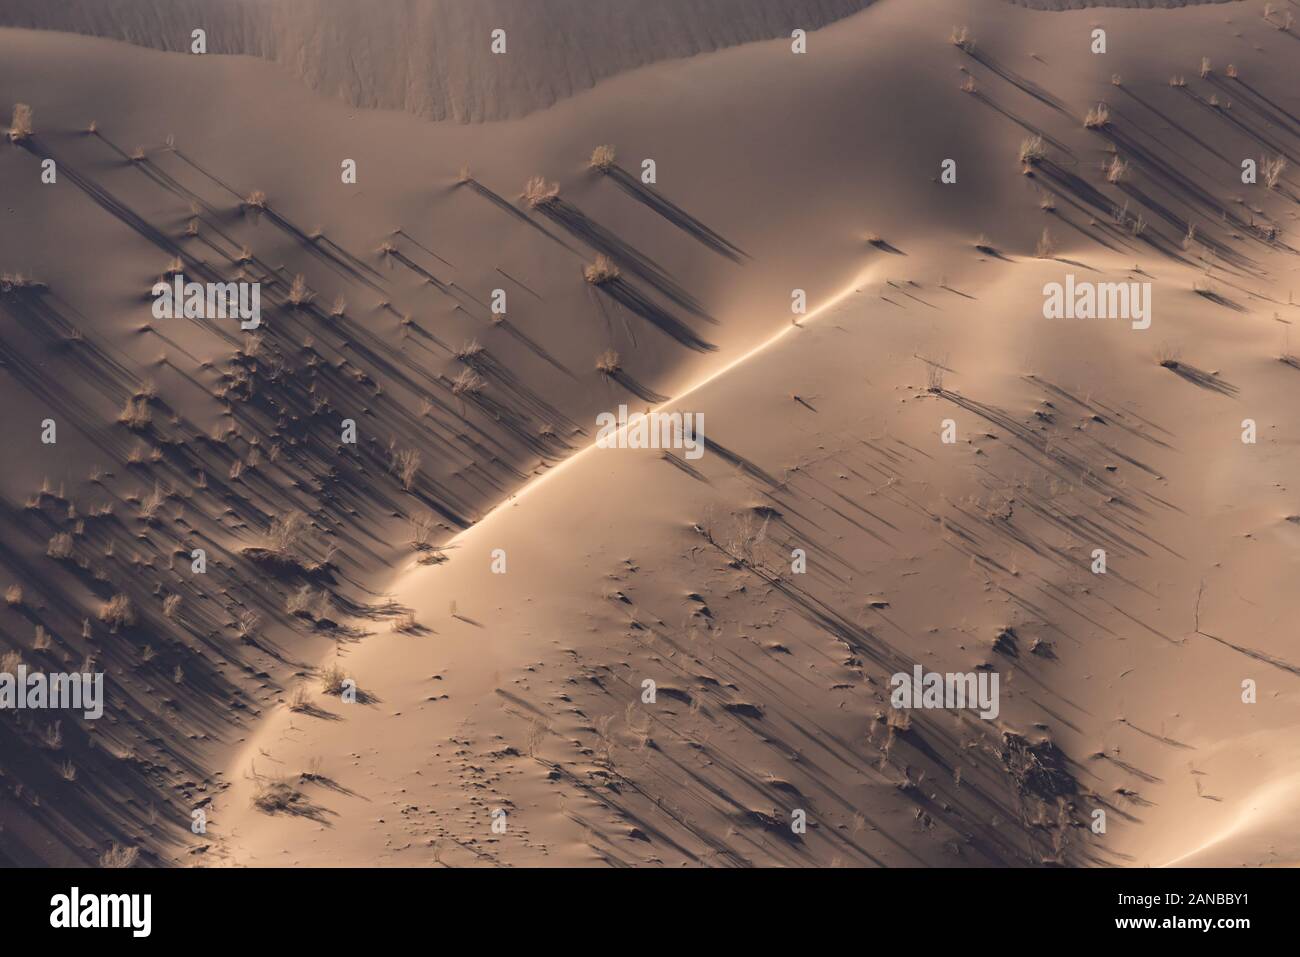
<point x="500" y="589"/>
<point x="432" y="57"/>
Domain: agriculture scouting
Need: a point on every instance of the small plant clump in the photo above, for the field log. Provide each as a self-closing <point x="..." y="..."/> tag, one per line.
<point x="602" y="158"/>
<point x="20" y="127"/>
<point x="609" y="363"/>
<point x="603" y="270"/>
<point x="538" y="193"/>
<point x="117" y="612"/>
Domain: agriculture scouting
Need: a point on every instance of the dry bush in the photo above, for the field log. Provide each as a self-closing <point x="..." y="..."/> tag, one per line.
<point x="300" y="700"/>
<point x="119" y="856"/>
<point x="603" y="270"/>
<point x="256" y="199"/>
<point x="539" y="193"/>
<point x="274" y="794"/>
<point x="1205" y="67"/>
<point x="538" y="729"/>
<point x="961" y="38"/>
<point x="609" y="363"/>
<point x="639" y="726"/>
<point x="463" y="175"/>
<point x="19" y="282"/>
<point x="300" y="602"/>
<point x="422" y="526"/>
<point x="117" y="612"/>
<point x="135" y="414"/>
<point x="602" y="158"/>
<point x="746" y="538"/>
<point x="152" y="503"/>
<point x="934" y="372"/>
<point x="340" y="306"/>
<point x="332" y="679"/>
<point x="405" y="623"/>
<point x="171" y="606"/>
<point x="1273" y="170"/>
<point x="1046" y="248"/>
<point x="14" y="596"/>
<point x="299" y="295"/>
<point x="1116" y="170"/>
<point x="1177" y="82"/>
<point x="467" y="383"/>
<point x="60" y="547"/>
<point x="247" y="624"/>
<point x="968" y="84"/>
<point x="406" y="464"/>
<point x="287" y="532"/>
<point x="10" y="662"/>
<point x="1098" y="117"/>
<point x="20" y="127"/>
<point x="1032" y="150"/>
<point x="470" y="350"/>
<point x="604" y="740"/>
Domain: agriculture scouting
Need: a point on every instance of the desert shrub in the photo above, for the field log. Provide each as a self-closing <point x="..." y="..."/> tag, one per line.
<point x="135" y="414"/>
<point x="1097" y="117"/>
<point x="609" y="363"/>
<point x="60" y="547"/>
<point x="602" y="158"/>
<point x="20" y="127"/>
<point x="332" y="679"/>
<point x="1032" y="150"/>
<point x="539" y="193"/>
<point x="603" y="270"/>
<point x="117" y="612"/>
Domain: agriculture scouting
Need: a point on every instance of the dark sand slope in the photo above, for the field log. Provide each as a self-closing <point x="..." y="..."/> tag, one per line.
<point x="432" y="57"/>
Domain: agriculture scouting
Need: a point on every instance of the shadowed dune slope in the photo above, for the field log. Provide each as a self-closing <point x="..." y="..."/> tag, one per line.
<point x="432" y="57"/>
